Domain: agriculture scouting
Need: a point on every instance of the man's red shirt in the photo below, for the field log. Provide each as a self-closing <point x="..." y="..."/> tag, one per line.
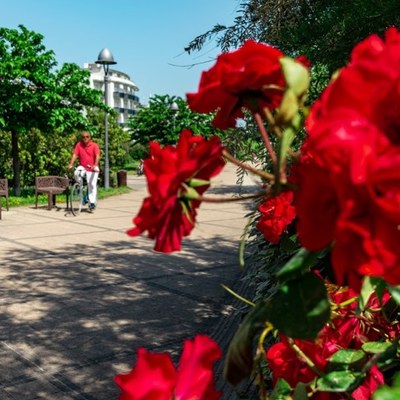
<point x="87" y="154"/>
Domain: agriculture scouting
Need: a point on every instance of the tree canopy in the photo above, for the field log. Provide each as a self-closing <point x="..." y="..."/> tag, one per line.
<point x="323" y="30"/>
<point x="35" y="95"/>
<point x="160" y="122"/>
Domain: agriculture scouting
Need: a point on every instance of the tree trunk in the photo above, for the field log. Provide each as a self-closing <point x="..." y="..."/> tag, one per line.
<point x="16" y="163"/>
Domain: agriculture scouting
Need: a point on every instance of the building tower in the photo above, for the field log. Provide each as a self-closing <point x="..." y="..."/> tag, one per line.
<point x="121" y="91"/>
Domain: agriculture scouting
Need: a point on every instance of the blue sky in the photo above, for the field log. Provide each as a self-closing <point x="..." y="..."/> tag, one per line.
<point x="146" y="37"/>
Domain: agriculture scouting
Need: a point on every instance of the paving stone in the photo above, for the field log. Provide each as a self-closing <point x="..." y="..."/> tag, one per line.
<point x="78" y="296"/>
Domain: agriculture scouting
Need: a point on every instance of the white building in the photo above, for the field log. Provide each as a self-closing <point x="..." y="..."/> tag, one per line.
<point x="121" y="91"/>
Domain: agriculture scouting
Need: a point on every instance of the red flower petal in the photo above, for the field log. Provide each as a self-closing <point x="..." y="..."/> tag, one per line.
<point x="152" y="378"/>
<point x="195" y="372"/>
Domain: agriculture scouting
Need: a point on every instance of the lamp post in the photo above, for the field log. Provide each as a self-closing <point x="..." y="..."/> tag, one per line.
<point x="174" y="108"/>
<point x="106" y="59"/>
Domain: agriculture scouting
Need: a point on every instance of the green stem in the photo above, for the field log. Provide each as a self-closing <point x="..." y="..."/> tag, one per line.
<point x="238" y="296"/>
<point x="243" y="243"/>
<point x="207" y="199"/>
<point x="302" y="355"/>
<point x="345" y="303"/>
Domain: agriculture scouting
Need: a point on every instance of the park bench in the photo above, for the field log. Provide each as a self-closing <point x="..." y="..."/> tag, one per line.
<point x="3" y="192"/>
<point x="51" y="185"/>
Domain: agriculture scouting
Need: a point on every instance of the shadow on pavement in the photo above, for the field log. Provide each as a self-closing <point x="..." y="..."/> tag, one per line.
<point x="71" y="318"/>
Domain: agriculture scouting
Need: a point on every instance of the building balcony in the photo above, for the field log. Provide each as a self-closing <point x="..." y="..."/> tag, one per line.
<point x="124" y="93"/>
<point x="133" y="97"/>
<point x="122" y="110"/>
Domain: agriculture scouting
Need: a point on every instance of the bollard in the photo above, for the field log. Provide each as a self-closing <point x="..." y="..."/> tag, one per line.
<point x="122" y="178"/>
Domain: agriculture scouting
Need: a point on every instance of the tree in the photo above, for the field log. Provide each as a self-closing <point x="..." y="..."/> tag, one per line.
<point x="324" y="30"/>
<point x="34" y="94"/>
<point x="160" y="122"/>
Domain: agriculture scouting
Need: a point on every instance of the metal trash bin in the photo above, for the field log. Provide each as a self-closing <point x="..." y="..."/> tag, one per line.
<point x="122" y="178"/>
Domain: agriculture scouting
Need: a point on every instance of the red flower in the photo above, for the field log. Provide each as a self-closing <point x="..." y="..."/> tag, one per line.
<point x="154" y="377"/>
<point x="277" y="214"/>
<point x="349" y="175"/>
<point x="249" y="77"/>
<point x="168" y="214"/>
<point x="284" y="362"/>
<point x="371" y="382"/>
<point x="346" y="330"/>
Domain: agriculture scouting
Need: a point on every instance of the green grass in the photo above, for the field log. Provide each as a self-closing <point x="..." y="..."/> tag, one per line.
<point x="103" y="193"/>
<point x="28" y="198"/>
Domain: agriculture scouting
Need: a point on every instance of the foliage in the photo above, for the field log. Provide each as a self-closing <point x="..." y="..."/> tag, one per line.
<point x="26" y="72"/>
<point x="161" y="123"/>
<point x="34" y="94"/>
<point x="320" y="77"/>
<point x="138" y="152"/>
<point x="242" y="141"/>
<point x="40" y="154"/>
<point x="323" y="30"/>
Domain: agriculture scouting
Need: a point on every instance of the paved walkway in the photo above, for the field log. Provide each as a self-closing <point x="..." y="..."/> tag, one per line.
<point x="78" y="296"/>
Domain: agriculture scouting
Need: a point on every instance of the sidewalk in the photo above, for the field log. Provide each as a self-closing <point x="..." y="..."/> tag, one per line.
<point x="78" y="296"/>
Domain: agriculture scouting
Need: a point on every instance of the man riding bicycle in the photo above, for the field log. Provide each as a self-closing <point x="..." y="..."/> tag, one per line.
<point x="88" y="153"/>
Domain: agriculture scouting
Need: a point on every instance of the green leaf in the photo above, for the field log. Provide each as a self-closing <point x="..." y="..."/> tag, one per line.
<point x="296" y="75"/>
<point x="396" y="380"/>
<point x="376" y="347"/>
<point x="288" y="243"/>
<point x="297" y="265"/>
<point x="300" y="392"/>
<point x="194" y="182"/>
<point x="395" y="292"/>
<point x="300" y="308"/>
<point x="384" y="358"/>
<point x="185" y="203"/>
<point x="370" y="285"/>
<point x="288" y="136"/>
<point x="386" y="393"/>
<point x="191" y="193"/>
<point x="282" y="390"/>
<point x="289" y="107"/>
<point x="339" y="381"/>
<point x="347" y="360"/>
<point x="239" y="359"/>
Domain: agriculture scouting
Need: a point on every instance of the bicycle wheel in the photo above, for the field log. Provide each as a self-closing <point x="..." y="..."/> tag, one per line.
<point x="76" y="198"/>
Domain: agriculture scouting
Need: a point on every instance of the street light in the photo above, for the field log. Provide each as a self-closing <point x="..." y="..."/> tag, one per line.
<point x="174" y="108"/>
<point x="106" y="59"/>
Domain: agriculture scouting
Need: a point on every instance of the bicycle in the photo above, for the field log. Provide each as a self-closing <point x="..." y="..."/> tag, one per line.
<point x="78" y="192"/>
